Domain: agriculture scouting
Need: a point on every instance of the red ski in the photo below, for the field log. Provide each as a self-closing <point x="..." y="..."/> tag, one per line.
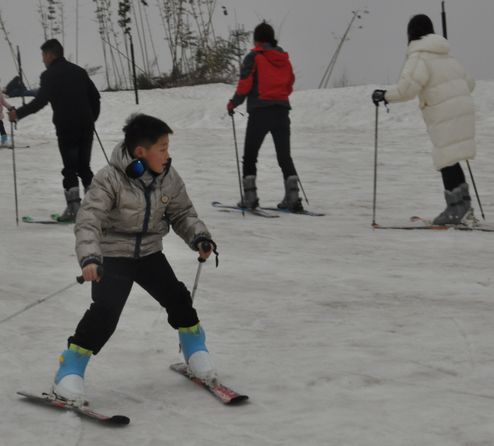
<point x="221" y="392"/>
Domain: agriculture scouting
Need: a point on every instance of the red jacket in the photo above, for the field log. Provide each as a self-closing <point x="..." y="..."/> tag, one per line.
<point x="266" y="78"/>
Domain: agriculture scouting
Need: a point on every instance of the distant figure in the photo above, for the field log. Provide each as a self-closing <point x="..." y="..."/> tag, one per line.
<point x="16" y="88"/>
<point x="444" y="92"/>
<point x="3" y="133"/>
<point x="266" y="80"/>
<point x="76" y="106"/>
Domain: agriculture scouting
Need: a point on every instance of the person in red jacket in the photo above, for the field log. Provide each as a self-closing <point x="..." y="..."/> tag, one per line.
<point x="266" y="80"/>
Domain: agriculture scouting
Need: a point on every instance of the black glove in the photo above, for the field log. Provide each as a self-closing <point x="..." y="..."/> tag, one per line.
<point x="379" y="96"/>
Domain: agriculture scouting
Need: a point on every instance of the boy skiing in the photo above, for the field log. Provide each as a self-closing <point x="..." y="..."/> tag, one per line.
<point x="266" y="80"/>
<point x="444" y="91"/>
<point x="126" y="212"/>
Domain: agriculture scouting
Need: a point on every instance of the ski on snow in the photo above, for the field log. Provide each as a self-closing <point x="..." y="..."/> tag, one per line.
<point x="52" y="221"/>
<point x="425" y="224"/>
<point x="83" y="411"/>
<point x="267" y="212"/>
<point x="220" y="391"/>
<point x="259" y="212"/>
<point x="304" y="212"/>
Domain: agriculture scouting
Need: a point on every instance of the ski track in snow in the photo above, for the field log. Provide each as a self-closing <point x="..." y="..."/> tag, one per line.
<point x="340" y="335"/>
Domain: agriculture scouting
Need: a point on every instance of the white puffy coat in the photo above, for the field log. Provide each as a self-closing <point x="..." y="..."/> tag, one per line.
<point x="444" y="92"/>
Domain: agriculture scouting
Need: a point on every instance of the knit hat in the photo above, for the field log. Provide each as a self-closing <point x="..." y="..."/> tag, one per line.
<point x="264" y="33"/>
<point x="419" y="26"/>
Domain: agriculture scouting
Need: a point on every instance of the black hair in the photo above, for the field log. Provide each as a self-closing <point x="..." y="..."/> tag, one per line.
<point x="264" y="33"/>
<point x="53" y="46"/>
<point x="143" y="130"/>
<point x="419" y="26"/>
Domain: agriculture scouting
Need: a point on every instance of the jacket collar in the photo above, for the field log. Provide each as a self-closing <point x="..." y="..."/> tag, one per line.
<point x="431" y="43"/>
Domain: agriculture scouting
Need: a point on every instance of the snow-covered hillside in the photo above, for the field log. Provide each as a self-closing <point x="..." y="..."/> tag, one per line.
<point x="340" y="334"/>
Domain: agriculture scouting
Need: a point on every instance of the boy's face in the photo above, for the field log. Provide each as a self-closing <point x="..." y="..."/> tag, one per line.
<point x="157" y="155"/>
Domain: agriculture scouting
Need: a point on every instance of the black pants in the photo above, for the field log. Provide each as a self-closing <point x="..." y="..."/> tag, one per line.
<point x="274" y="120"/>
<point x="453" y="176"/>
<point x="75" y="147"/>
<point x="2" y="128"/>
<point x="155" y="275"/>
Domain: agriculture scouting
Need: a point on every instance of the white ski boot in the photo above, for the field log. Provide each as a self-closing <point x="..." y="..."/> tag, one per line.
<point x="197" y="357"/>
<point x="69" y="380"/>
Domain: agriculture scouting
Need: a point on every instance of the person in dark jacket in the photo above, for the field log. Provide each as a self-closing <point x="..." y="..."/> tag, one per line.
<point x="266" y="80"/>
<point x="76" y="106"/>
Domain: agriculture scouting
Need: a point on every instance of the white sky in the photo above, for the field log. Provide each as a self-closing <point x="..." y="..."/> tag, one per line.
<point x="374" y="53"/>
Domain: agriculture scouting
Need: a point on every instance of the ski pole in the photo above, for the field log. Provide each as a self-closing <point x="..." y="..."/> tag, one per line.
<point x="445" y="34"/>
<point x="206" y="247"/>
<point x="101" y="145"/>
<point x="15" y="173"/>
<point x="38" y="302"/>
<point x="238" y="163"/>
<point x="476" y="191"/>
<point x="303" y="191"/>
<point x="375" y="167"/>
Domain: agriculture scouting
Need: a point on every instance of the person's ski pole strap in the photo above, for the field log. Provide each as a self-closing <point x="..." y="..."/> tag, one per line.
<point x="80" y="279"/>
<point x="208" y="245"/>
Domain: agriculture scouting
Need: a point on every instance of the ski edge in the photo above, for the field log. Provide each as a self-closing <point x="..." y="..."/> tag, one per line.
<point x="411" y="228"/>
<point x="52" y="221"/>
<point x="223" y="393"/>
<point x="437" y="228"/>
<point x="304" y="212"/>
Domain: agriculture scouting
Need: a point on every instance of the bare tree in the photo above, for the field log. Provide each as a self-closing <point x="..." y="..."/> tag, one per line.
<point x="9" y="42"/>
<point x="43" y="16"/>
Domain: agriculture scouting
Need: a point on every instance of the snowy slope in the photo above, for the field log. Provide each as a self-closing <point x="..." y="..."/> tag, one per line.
<point x="340" y="334"/>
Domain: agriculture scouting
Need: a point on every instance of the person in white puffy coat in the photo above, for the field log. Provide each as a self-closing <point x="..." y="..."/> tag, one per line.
<point x="444" y="91"/>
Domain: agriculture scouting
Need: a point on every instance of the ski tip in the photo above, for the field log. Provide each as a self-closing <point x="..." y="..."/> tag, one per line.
<point x="238" y="400"/>
<point x="118" y="420"/>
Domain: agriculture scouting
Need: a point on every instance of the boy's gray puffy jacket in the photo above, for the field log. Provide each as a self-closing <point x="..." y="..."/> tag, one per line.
<point x="124" y="217"/>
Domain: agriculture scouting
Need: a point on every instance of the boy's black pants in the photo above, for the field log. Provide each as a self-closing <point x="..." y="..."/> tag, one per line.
<point x="75" y="147"/>
<point x="274" y="120"/>
<point x="2" y="128"/>
<point x="155" y="275"/>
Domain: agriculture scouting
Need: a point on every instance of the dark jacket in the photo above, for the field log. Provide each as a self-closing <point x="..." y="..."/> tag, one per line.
<point x="266" y="78"/>
<point x="73" y="96"/>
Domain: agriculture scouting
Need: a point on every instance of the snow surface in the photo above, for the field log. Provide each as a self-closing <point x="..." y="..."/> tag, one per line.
<point x="340" y="334"/>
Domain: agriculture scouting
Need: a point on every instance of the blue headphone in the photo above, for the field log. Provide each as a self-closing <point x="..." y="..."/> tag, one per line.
<point x="136" y="168"/>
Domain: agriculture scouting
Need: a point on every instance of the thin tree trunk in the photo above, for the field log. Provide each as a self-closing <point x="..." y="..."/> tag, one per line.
<point x="144" y="58"/>
<point x="139" y="5"/>
<point x="152" y="40"/>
